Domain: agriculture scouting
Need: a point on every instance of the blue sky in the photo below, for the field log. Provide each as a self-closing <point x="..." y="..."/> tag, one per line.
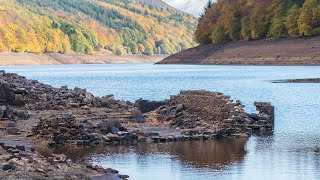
<point x="194" y="7"/>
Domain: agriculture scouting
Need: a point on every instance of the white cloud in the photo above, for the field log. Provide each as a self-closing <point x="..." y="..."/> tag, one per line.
<point x="194" y="7"/>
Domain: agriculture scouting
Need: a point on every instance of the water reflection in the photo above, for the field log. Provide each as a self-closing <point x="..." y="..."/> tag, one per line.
<point x="214" y="154"/>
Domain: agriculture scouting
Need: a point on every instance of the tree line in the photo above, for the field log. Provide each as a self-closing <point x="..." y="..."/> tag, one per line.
<point x="233" y="20"/>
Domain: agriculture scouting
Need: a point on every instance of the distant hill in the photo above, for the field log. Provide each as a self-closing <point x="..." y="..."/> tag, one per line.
<point x="87" y="26"/>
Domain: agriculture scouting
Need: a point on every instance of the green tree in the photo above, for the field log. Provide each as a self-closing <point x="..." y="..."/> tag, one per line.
<point x="235" y="29"/>
<point x="245" y="28"/>
<point x="278" y="28"/>
<point x="316" y="16"/>
<point x="292" y="21"/>
<point x="305" y="23"/>
<point x="120" y="51"/>
<point x="134" y="48"/>
<point x="218" y="34"/>
<point x="259" y="25"/>
<point x="148" y="48"/>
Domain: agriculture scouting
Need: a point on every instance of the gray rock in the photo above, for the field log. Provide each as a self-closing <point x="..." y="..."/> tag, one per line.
<point x="26" y="115"/>
<point x="96" y="102"/>
<point x="2" y="72"/>
<point x="74" y="105"/>
<point x="137" y="115"/>
<point x="86" y="101"/>
<point x="19" y="97"/>
<point x="113" y="137"/>
<point x="7" y="167"/>
<point x="58" y="108"/>
<point x="64" y="87"/>
<point x="114" y="130"/>
<point x="2" y="111"/>
<point x="180" y="108"/>
<point x="111" y="100"/>
<point x="21" y="147"/>
<point x="85" y="107"/>
<point x="13" y="131"/>
<point x="11" y="124"/>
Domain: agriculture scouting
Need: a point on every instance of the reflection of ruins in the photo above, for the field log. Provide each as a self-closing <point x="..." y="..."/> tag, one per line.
<point x="213" y="154"/>
<point x="199" y="154"/>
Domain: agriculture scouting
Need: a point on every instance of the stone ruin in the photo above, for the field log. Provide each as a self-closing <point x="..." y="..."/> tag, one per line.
<point x="195" y="112"/>
<point x="66" y="130"/>
<point x="18" y="91"/>
<point x="147" y="106"/>
<point x="11" y="95"/>
<point x="204" y="110"/>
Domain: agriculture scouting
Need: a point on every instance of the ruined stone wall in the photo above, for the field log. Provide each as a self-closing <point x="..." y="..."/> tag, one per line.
<point x="211" y="106"/>
<point x="147" y="106"/>
<point x="9" y="94"/>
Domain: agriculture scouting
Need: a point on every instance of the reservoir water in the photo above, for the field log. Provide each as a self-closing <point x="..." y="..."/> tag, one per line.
<point x="287" y="153"/>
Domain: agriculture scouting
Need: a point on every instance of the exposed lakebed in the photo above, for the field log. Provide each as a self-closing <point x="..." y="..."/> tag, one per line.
<point x="288" y="153"/>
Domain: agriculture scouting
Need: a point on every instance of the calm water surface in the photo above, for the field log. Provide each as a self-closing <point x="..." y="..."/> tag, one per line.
<point x="288" y="153"/>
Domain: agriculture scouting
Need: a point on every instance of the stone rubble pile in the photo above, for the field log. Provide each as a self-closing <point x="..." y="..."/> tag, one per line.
<point x="214" y="114"/>
<point x="18" y="91"/>
<point x="65" y="130"/>
<point x="19" y="162"/>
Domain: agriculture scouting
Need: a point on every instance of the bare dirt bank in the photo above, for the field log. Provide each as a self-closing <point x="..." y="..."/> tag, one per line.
<point x="22" y="59"/>
<point x="293" y="51"/>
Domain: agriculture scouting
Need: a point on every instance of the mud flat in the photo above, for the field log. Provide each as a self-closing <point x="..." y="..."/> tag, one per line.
<point x="30" y="59"/>
<point x="310" y="80"/>
<point x="288" y="51"/>
<point x="34" y="115"/>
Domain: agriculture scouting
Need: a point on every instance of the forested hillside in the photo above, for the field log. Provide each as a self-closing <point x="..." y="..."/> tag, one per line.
<point x="87" y="26"/>
<point x="236" y="20"/>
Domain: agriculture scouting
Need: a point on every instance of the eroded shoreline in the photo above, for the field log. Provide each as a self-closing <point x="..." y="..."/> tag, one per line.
<point x="302" y="51"/>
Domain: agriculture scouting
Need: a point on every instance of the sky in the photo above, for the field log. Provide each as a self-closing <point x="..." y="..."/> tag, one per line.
<point x="194" y="7"/>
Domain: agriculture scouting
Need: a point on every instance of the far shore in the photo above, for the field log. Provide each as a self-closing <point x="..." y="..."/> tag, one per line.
<point x="302" y="51"/>
<point x="31" y="59"/>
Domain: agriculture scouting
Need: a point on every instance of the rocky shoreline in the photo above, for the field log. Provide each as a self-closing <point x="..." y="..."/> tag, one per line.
<point x="34" y="115"/>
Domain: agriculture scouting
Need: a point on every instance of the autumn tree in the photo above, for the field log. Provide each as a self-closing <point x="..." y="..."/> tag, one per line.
<point x="235" y="29"/>
<point x="305" y="23"/>
<point x="245" y="28"/>
<point x="292" y="21"/>
<point x="218" y="34"/>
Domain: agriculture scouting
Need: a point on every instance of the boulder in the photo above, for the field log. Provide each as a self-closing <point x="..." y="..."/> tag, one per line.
<point x="7" y="167"/>
<point x="114" y="130"/>
<point x="2" y="111"/>
<point x="74" y="105"/>
<point x="13" y="131"/>
<point x="11" y="124"/>
<point x="2" y="72"/>
<point x="19" y="97"/>
<point x="113" y="137"/>
<point x="137" y="115"/>
<point x="21" y="147"/>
